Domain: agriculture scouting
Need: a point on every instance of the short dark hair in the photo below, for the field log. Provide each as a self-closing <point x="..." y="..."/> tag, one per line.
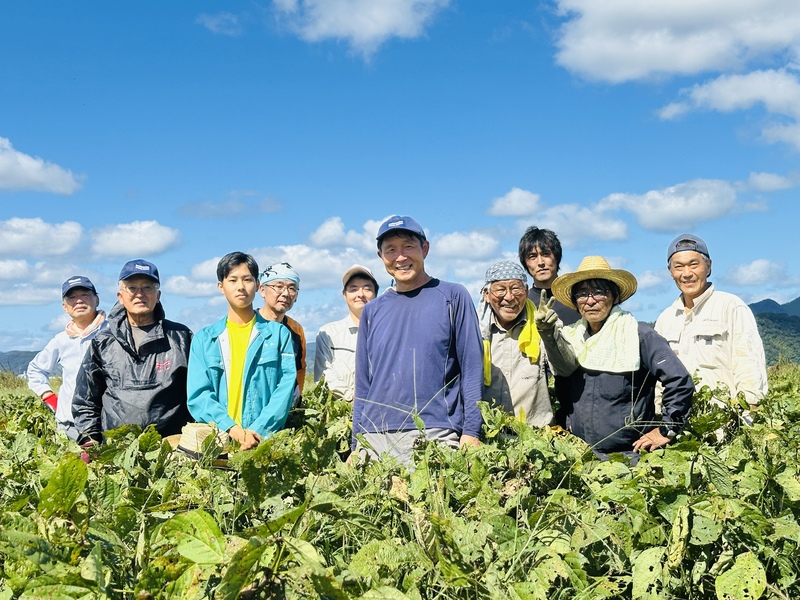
<point x="402" y="233"/>
<point x="597" y="284"/>
<point x="231" y="260"/>
<point x="544" y="239"/>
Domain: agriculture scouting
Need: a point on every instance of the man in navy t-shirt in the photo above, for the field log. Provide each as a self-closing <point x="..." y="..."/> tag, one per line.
<point x="419" y="355"/>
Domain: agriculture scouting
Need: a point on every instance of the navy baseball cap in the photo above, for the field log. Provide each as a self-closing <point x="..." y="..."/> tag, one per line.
<point x="687" y="241"/>
<point x="396" y="223"/>
<point x="77" y="281"/>
<point x="139" y="266"/>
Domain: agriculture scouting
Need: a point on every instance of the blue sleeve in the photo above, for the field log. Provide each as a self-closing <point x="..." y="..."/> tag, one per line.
<point x="202" y="386"/>
<point x="363" y="374"/>
<point x="276" y="408"/>
<point x="469" y="350"/>
<point x="678" y="386"/>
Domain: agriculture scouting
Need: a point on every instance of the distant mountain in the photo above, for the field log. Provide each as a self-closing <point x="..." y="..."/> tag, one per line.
<point x="16" y="361"/>
<point x="767" y="306"/>
<point x="780" y="333"/>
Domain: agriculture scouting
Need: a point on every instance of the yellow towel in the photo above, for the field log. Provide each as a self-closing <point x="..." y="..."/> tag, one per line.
<point x="528" y="339"/>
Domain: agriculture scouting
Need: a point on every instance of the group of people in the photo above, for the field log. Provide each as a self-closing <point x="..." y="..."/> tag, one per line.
<point x="415" y="360"/>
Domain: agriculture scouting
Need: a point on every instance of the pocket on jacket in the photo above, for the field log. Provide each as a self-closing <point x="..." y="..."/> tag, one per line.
<point x="709" y="344"/>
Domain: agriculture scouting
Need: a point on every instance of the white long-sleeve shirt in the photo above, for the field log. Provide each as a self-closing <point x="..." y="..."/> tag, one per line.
<point x="335" y="357"/>
<point x="718" y="340"/>
<point x="66" y="351"/>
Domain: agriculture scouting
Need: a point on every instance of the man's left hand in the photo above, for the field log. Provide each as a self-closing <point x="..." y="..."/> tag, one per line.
<point x="650" y="441"/>
<point x="468" y="440"/>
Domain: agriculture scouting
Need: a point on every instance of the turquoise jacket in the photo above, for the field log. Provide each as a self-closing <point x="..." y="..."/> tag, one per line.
<point x="269" y="377"/>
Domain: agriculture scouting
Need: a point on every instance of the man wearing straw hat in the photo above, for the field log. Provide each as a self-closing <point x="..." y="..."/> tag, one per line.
<point x="513" y="371"/>
<point x="613" y="364"/>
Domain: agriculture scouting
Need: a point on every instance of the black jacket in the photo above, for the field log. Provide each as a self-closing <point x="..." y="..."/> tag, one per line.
<point x="610" y="411"/>
<point x="116" y="385"/>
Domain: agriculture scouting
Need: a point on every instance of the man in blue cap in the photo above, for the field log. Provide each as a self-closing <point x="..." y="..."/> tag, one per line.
<point x="419" y="356"/>
<point x="135" y="369"/>
<point x="713" y="333"/>
<point x="66" y="350"/>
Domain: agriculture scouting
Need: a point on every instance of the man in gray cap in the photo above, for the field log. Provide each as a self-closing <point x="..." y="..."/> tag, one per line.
<point x="335" y="357"/>
<point x="135" y="369"/>
<point x="79" y="300"/>
<point x="418" y="357"/>
<point x="713" y="333"/>
<point x="513" y="370"/>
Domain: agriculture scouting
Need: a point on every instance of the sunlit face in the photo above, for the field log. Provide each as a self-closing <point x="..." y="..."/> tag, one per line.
<point x="594" y="302"/>
<point x="357" y="292"/>
<point x="139" y="295"/>
<point x="690" y="271"/>
<point x="403" y="256"/>
<point x="507" y="299"/>
<point x="239" y="287"/>
<point x="542" y="266"/>
<point x="80" y="303"/>
<point x="279" y="296"/>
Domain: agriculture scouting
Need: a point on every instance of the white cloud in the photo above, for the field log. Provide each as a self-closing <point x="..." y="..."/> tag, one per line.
<point x="140" y="238"/>
<point x="223" y="23"/>
<point x="332" y="233"/>
<point x="364" y="24"/>
<point x="623" y="40"/>
<point x="25" y="294"/>
<point x="235" y="207"/>
<point x="769" y="182"/>
<point x="180" y="285"/>
<point x="473" y="244"/>
<point x="778" y="91"/>
<point x="516" y="203"/>
<point x="681" y="206"/>
<point x="13" y="269"/>
<point x="19" y="171"/>
<point x="575" y="224"/>
<point x="653" y="279"/>
<point x="28" y="236"/>
<point x="759" y="272"/>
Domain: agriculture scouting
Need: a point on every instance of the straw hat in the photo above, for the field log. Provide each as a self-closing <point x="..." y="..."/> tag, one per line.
<point x="593" y="267"/>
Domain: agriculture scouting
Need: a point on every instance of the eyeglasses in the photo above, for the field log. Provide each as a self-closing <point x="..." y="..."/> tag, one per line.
<point x="290" y="290"/>
<point x="501" y="292"/>
<point x="583" y="295"/>
<point x="144" y="289"/>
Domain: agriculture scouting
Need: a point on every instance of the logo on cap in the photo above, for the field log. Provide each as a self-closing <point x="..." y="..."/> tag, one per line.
<point x="395" y="223"/>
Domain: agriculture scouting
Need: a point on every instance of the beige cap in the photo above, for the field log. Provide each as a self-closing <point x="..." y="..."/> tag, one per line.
<point x="359" y="270"/>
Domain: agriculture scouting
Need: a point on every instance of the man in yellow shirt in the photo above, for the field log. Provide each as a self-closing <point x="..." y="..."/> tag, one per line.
<point x="242" y="368"/>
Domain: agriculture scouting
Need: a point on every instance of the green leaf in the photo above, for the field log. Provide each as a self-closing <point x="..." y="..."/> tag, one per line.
<point x="242" y="568"/>
<point x="304" y="553"/>
<point x="647" y="571"/>
<point x="788" y="480"/>
<point x="718" y="474"/>
<point x="64" y="487"/>
<point x="745" y="580"/>
<point x="196" y="537"/>
<point x="384" y="593"/>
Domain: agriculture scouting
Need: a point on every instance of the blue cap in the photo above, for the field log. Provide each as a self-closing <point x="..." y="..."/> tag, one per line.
<point x="139" y="266"/>
<point x="397" y="223"/>
<point x="687" y="241"/>
<point x="77" y="281"/>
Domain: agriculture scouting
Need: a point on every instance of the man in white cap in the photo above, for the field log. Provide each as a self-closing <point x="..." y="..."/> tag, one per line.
<point x="419" y="356"/>
<point x="79" y="300"/>
<point x="134" y="372"/>
<point x="713" y="333"/>
<point x="279" y="286"/>
<point x="335" y="357"/>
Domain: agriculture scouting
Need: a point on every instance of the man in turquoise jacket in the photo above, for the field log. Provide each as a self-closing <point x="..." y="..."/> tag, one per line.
<point x="242" y="368"/>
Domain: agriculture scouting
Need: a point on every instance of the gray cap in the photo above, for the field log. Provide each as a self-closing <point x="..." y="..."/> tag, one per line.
<point x="687" y="241"/>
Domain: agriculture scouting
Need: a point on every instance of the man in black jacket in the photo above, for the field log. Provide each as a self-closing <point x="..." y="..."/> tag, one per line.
<point x="135" y="370"/>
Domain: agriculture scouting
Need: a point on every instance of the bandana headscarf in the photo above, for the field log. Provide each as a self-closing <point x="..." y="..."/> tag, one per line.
<point x="528" y="337"/>
<point x="279" y="272"/>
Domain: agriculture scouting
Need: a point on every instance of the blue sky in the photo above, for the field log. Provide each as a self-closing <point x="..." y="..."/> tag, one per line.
<point x="178" y="132"/>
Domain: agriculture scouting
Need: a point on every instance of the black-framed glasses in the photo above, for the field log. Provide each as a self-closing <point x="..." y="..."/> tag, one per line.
<point x="597" y="294"/>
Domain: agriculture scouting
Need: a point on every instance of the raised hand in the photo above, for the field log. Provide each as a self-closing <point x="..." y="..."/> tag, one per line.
<point x="545" y="316"/>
